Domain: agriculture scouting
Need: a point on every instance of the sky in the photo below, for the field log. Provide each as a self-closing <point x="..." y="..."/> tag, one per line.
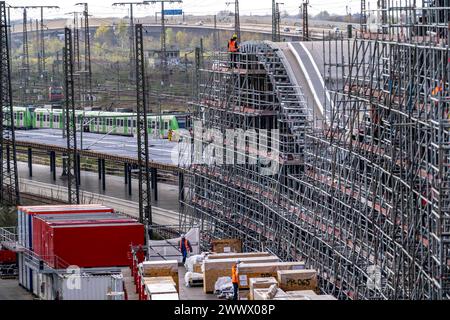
<point x="104" y="8"/>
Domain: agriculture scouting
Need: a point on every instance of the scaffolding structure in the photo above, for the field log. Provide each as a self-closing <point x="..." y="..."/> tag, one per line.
<point x="365" y="197"/>
<point x="252" y="95"/>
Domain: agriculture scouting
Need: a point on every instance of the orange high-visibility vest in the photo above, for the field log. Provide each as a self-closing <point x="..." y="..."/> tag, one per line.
<point x="186" y="244"/>
<point x="232" y="46"/>
<point x="234" y="275"/>
<point x="437" y="90"/>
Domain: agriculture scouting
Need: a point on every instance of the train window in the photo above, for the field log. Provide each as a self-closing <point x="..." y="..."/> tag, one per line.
<point x="15" y="115"/>
<point x="121" y="123"/>
<point x="55" y="118"/>
<point x="166" y="125"/>
<point x="21" y="116"/>
<point x="129" y="123"/>
<point x="38" y="117"/>
<point x="134" y="123"/>
<point x="153" y="124"/>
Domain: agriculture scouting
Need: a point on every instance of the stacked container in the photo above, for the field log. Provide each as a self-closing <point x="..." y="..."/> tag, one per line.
<point x="81" y="235"/>
<point x="86" y="241"/>
<point x="27" y="271"/>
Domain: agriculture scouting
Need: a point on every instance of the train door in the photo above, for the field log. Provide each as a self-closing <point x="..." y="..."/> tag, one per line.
<point x="121" y="126"/>
<point x="109" y="124"/>
<point x="55" y="121"/>
<point x="134" y="126"/>
<point x="21" y="119"/>
<point x="46" y="120"/>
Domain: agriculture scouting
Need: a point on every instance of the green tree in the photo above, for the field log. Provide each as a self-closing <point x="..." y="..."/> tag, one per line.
<point x="170" y="38"/>
<point x="181" y="38"/>
<point x="101" y="33"/>
<point x="122" y="32"/>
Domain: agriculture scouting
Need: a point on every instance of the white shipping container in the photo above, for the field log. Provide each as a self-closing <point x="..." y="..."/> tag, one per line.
<point x="46" y="286"/>
<point x="117" y="283"/>
<point x="26" y="278"/>
<point x="86" y="287"/>
<point x="35" y="282"/>
<point x="19" y="226"/>
<point x="21" y="268"/>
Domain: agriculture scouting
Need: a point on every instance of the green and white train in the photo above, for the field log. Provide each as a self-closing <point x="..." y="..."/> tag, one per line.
<point x="117" y="123"/>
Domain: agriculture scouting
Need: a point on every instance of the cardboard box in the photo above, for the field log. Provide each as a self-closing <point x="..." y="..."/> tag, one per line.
<point x="152" y="269"/>
<point x="238" y="255"/>
<point x="264" y="270"/>
<point x="261" y="294"/>
<point x="214" y="269"/>
<point x="227" y="245"/>
<point x="292" y="280"/>
<point x="158" y="280"/>
<point x="153" y="289"/>
<point x="260" y="283"/>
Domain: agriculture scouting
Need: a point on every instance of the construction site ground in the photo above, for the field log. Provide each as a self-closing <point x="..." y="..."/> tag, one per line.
<point x="10" y="290"/>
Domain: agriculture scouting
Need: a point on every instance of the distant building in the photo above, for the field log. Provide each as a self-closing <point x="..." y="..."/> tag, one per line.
<point x="155" y="57"/>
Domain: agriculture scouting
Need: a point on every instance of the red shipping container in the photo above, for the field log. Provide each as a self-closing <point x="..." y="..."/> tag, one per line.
<point x="60" y="210"/>
<point x="7" y="257"/>
<point x="88" y="243"/>
<point x="38" y="232"/>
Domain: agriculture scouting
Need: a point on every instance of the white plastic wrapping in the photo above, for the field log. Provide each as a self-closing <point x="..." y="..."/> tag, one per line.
<point x="223" y="284"/>
<point x="190" y="277"/>
<point x="189" y="265"/>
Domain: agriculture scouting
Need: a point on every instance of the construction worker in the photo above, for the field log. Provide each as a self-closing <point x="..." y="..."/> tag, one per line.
<point x="233" y="49"/>
<point x="185" y="246"/>
<point x="235" y="279"/>
<point x="439" y="88"/>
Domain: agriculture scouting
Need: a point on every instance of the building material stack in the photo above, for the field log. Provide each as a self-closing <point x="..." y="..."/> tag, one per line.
<point x="227" y="245"/>
<point x="158" y="280"/>
<point x="214" y="269"/>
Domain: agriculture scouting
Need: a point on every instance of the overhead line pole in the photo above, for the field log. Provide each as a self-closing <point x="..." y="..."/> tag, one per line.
<point x="87" y="50"/>
<point x="40" y="36"/>
<point x="237" y="20"/>
<point x="145" y="202"/>
<point x="164" y="64"/>
<point x="305" y="20"/>
<point x="274" y="22"/>
<point x="9" y="184"/>
<point x="71" y="133"/>
<point x="131" y="35"/>
<point x="76" y="39"/>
